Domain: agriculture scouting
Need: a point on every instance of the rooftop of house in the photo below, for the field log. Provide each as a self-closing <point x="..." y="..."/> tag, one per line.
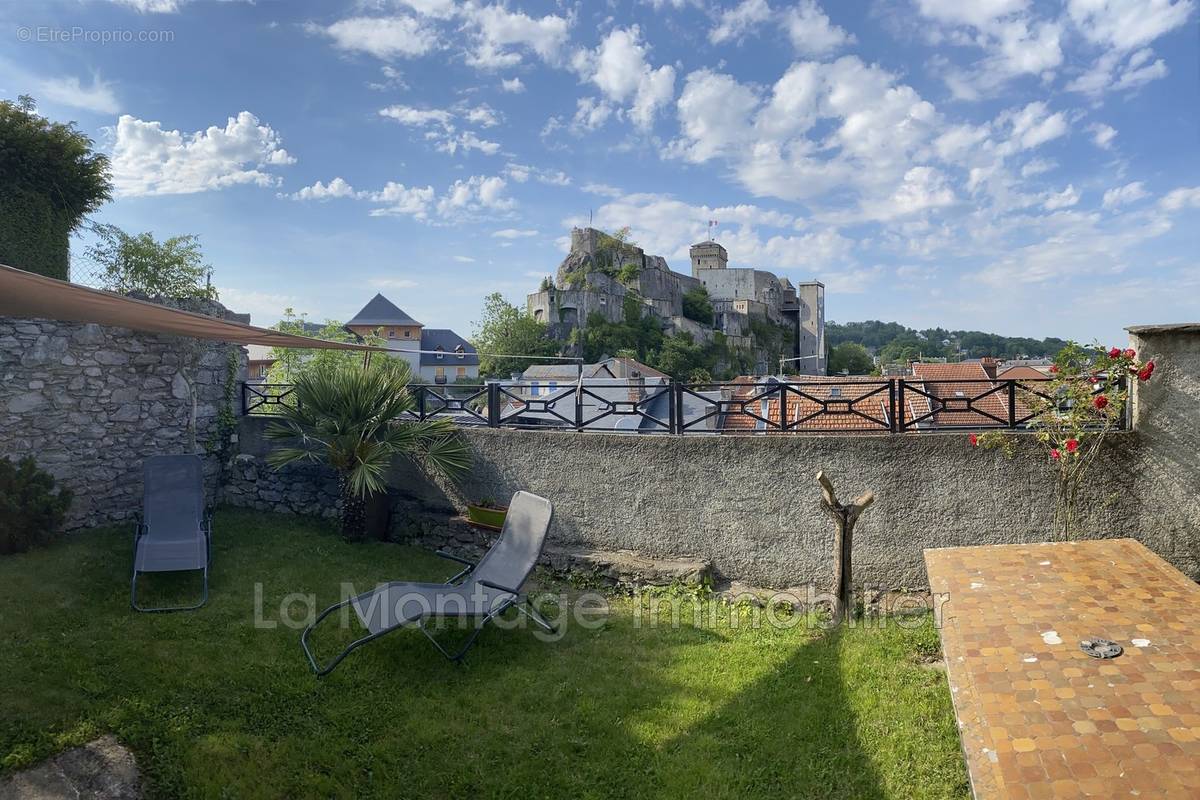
<point x="608" y="368"/>
<point x="381" y="311"/>
<point x="449" y="342"/>
<point x="1021" y="373"/>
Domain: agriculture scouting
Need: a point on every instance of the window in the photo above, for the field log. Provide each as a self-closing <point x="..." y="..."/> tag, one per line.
<point x="440" y="372"/>
<point x="835" y="391"/>
<point x="262" y="370"/>
<point x="407" y="333"/>
<point x="552" y="386"/>
<point x="391" y="333"/>
<point x="461" y="372"/>
<point x="461" y="353"/>
<point x="533" y="389"/>
<point x="959" y="393"/>
<point x="439" y="352"/>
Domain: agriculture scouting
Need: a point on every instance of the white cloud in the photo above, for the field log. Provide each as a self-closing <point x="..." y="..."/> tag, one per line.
<point x="1102" y="135"/>
<point x="714" y="115"/>
<point x="1185" y="197"/>
<point x="923" y="188"/>
<point x="513" y="233"/>
<point x="1036" y="166"/>
<point x="476" y="194"/>
<point x="1124" y="195"/>
<point x="512" y="85"/>
<point x="383" y="37"/>
<point x="440" y="128"/>
<point x="1115" y="70"/>
<point x="464" y="259"/>
<point x="401" y="200"/>
<point x="811" y="32"/>
<point x="1033" y="126"/>
<point x="1128" y="24"/>
<point x="322" y="191"/>
<point x="1013" y="40"/>
<point x="1064" y="199"/>
<point x="438" y="9"/>
<point x="590" y="114"/>
<point x="69" y="91"/>
<point x="736" y="22"/>
<point x="619" y="68"/>
<point x="152" y="6"/>
<point x="522" y="173"/>
<point x="148" y="160"/>
<point x="499" y="36"/>
<point x="416" y="117"/>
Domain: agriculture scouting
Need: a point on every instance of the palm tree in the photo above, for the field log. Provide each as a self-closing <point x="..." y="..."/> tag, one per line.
<point x="351" y="418"/>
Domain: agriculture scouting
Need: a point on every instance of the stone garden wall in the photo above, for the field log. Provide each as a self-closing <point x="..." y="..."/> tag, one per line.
<point x="89" y="403"/>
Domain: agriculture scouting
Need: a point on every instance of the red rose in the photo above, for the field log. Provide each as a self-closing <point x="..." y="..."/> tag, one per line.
<point x="1055" y="454"/>
<point x="1145" y="372"/>
<point x="1114" y="353"/>
<point x="1072" y="445"/>
<point x="1054" y="367"/>
<point x="1093" y="379"/>
<point x="974" y="440"/>
<point x="1100" y="401"/>
<point x="1131" y="353"/>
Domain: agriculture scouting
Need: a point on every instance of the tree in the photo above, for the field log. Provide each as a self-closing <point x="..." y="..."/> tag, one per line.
<point x="349" y="418"/>
<point x="850" y="358"/>
<point x="509" y="333"/>
<point x="289" y="363"/>
<point x="697" y="306"/>
<point x="50" y="179"/>
<point x="172" y="268"/>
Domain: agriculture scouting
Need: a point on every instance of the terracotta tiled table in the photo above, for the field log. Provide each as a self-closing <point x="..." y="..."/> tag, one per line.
<point x="1038" y="717"/>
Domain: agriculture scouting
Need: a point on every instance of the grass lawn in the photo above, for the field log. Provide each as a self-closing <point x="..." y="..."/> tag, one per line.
<point x="215" y="706"/>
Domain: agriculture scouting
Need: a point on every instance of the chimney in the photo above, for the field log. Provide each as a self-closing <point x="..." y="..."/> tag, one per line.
<point x="989" y="366"/>
<point x="637" y="388"/>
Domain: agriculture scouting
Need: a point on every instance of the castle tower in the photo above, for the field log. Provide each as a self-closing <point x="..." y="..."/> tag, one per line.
<point x="708" y="255"/>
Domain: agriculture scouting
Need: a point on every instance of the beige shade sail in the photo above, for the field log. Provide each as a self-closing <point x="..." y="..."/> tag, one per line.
<point x="26" y="295"/>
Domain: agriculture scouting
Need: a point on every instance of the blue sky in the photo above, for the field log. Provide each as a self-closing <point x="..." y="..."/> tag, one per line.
<point x="1023" y="167"/>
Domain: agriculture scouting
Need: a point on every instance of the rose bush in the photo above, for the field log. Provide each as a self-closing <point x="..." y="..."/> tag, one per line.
<point x="1084" y="401"/>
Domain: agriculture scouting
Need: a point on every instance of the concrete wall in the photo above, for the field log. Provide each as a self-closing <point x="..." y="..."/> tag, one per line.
<point x="89" y="403"/>
<point x="750" y="504"/>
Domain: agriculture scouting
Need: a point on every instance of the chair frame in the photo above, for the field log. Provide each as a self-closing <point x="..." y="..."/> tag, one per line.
<point x="516" y="599"/>
<point x="139" y="530"/>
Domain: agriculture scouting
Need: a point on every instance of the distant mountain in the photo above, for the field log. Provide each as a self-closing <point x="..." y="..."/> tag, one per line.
<point x="895" y="342"/>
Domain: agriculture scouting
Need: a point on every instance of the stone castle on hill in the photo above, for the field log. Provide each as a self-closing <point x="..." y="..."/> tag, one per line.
<point x="601" y="273"/>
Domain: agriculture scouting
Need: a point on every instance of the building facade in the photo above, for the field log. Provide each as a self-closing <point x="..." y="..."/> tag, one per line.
<point x="434" y="355"/>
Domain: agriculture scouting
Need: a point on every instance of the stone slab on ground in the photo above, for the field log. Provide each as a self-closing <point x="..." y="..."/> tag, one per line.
<point x="99" y="770"/>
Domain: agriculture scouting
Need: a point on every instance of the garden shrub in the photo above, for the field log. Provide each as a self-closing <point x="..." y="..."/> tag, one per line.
<point x="31" y="509"/>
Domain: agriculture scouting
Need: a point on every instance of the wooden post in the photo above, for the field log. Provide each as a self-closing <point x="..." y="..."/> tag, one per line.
<point x="844" y="517"/>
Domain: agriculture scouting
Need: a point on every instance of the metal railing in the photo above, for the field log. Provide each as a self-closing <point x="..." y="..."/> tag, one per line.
<point x="770" y="406"/>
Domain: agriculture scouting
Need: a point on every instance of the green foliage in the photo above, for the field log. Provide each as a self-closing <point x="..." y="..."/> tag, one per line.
<point x="51" y="179"/>
<point x="698" y="306"/>
<point x="31" y="509"/>
<point x="547" y="284"/>
<point x="629" y="272"/>
<point x="220" y="440"/>
<point x="1083" y="403"/>
<point x="851" y="358"/>
<point x="349" y="418"/>
<point x="290" y="363"/>
<point x="506" y="330"/>
<point x="173" y="267"/>
<point x="896" y="343"/>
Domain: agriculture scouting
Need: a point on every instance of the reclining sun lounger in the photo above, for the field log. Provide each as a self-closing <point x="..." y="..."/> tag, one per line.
<point x="174" y="532"/>
<point x="486" y="590"/>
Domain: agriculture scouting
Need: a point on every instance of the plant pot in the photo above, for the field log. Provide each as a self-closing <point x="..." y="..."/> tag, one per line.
<point x="487" y="517"/>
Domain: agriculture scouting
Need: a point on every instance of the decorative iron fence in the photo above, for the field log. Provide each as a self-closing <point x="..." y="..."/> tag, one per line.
<point x="841" y="405"/>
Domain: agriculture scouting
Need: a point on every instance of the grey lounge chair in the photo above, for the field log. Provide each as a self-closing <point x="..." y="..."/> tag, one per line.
<point x="174" y="532"/>
<point x="487" y="589"/>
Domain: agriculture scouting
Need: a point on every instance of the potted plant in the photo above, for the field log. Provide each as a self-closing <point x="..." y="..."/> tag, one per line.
<point x="487" y="514"/>
<point x="357" y="420"/>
